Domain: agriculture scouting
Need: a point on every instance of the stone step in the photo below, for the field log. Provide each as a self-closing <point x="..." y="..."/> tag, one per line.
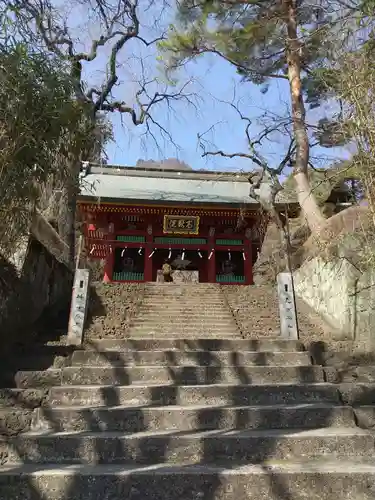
<point x="180" y="418"/>
<point x="189" y="315"/>
<point x="182" y="319"/>
<point x="186" y="296"/>
<point x="193" y="358"/>
<point x="209" y="395"/>
<point x="189" y="292"/>
<point x="15" y="420"/>
<point x="181" y="302"/>
<point x="184" y="322"/>
<point x="148" y="448"/>
<point x="178" y="330"/>
<point x="201" y="344"/>
<point x="181" y="375"/>
<point x="363" y="374"/>
<point x="22" y="398"/>
<point x="215" y="333"/>
<point x="183" y="288"/>
<point x="318" y="480"/>
<point x="357" y="394"/>
<point x="176" y="316"/>
<point x="181" y="306"/>
<point x="365" y="416"/>
<point x="188" y="284"/>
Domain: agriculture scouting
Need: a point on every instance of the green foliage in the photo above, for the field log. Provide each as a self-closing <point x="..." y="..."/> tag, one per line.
<point x="368" y="7"/>
<point x="320" y="83"/>
<point x="323" y="181"/>
<point x="42" y="127"/>
<point x="250" y="35"/>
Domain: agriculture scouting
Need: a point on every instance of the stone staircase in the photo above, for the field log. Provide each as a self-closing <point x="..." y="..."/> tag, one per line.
<point x="182" y="417"/>
<point x="196" y="310"/>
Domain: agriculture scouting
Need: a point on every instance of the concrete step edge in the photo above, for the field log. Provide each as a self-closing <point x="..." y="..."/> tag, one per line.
<point x="195" y="407"/>
<point x="201" y="341"/>
<point x="189" y="352"/>
<point x="269" y="386"/>
<point x="156" y="367"/>
<point x="320" y="466"/>
<point x="171" y="314"/>
<point x="165" y="323"/>
<point x="258" y="340"/>
<point x="211" y="434"/>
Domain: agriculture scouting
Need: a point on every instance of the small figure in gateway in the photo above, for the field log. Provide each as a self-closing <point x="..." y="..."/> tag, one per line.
<point x="167" y="272"/>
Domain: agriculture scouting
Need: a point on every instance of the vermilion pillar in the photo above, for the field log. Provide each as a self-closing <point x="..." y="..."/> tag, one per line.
<point x="212" y="261"/>
<point x="148" y="251"/>
<point x="108" y="268"/>
<point x="248" y="264"/>
<point x="110" y="258"/>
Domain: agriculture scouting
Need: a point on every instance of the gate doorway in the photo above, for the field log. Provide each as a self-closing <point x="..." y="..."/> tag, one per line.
<point x="187" y="265"/>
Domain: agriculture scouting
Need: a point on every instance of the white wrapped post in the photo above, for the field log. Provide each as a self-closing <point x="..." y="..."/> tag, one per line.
<point x="287" y="306"/>
<point x="78" y="308"/>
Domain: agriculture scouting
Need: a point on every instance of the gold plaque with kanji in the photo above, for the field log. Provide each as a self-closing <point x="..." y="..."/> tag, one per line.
<point x="180" y="224"/>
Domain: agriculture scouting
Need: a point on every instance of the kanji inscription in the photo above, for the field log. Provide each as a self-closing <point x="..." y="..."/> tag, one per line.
<point x="180" y="224"/>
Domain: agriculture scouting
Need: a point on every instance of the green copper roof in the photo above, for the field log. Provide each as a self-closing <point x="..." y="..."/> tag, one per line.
<point x="110" y="183"/>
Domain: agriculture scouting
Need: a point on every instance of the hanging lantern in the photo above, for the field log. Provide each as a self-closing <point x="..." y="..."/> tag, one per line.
<point x="243" y="255"/>
<point x="140" y="251"/>
<point x="170" y="253"/>
<point x="91" y="227"/>
<point x="152" y="253"/>
<point x="229" y="255"/>
<point x="92" y="250"/>
<point x="211" y="254"/>
<point x="200" y="255"/>
<point x="122" y="253"/>
<point x="183" y="254"/>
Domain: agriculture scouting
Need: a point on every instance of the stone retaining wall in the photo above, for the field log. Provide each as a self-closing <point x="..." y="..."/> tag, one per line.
<point x="35" y="281"/>
<point x="111" y="308"/>
<point x="342" y="294"/>
<point x="256" y="311"/>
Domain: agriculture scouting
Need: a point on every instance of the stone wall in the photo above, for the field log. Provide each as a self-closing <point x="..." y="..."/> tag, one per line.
<point x="256" y="311"/>
<point x="111" y="308"/>
<point x="37" y="280"/>
<point x="342" y="294"/>
<point x="44" y="284"/>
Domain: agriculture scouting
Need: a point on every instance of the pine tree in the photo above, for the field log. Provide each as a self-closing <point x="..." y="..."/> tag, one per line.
<point x="263" y="40"/>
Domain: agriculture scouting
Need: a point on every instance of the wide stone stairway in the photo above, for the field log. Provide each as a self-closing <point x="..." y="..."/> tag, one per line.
<point x="185" y="310"/>
<point x="177" y="413"/>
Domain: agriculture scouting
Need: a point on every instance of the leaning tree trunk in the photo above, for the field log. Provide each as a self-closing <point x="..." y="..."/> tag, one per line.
<point x="71" y="222"/>
<point x="67" y="221"/>
<point x="306" y="198"/>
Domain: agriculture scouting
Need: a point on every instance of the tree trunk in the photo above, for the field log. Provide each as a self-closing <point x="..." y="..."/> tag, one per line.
<point x="306" y="198"/>
<point x="68" y="212"/>
<point x="71" y="222"/>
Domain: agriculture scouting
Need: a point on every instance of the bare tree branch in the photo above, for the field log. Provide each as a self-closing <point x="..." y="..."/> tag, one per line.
<point x="121" y="24"/>
<point x="234" y="155"/>
<point x="264" y="183"/>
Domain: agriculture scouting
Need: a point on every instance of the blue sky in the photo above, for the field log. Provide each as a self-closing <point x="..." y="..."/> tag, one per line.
<point x="212" y="80"/>
<point x="217" y="82"/>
